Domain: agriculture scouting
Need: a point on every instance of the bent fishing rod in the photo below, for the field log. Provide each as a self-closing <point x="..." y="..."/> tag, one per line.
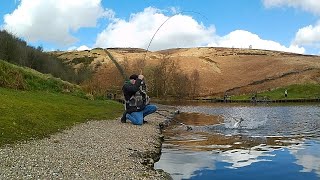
<point x="118" y="66"/>
<point x="125" y="77"/>
<point x="147" y="50"/>
<point x="121" y="70"/>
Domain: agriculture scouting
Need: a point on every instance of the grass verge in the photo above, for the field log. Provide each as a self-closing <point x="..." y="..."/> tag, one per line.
<point x="28" y="115"/>
<point x="296" y="91"/>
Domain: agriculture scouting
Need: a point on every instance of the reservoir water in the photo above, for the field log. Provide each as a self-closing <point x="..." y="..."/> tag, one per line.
<point x="206" y="141"/>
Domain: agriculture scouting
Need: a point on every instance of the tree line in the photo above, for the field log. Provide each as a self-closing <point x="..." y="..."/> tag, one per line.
<point x="165" y="79"/>
<point x="17" y="51"/>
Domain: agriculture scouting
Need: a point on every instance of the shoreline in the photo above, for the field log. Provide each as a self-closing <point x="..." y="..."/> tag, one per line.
<point x="105" y="149"/>
<point x="300" y="100"/>
<point x="258" y="101"/>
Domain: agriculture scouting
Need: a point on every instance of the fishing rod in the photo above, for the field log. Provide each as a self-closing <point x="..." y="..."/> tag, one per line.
<point x="147" y="50"/>
<point x="121" y="70"/>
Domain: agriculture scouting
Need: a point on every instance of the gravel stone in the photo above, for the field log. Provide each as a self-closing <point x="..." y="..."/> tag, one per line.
<point x="106" y="149"/>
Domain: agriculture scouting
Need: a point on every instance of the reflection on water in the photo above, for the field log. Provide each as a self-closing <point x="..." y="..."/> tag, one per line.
<point x="272" y="142"/>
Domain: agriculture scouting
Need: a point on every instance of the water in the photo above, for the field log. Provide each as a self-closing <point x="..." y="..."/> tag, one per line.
<point x="273" y="141"/>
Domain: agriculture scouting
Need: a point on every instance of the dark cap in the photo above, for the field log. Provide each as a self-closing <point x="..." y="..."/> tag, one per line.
<point x="133" y="76"/>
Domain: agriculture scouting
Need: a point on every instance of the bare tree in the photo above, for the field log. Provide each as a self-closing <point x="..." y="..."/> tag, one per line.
<point x="138" y="65"/>
<point x="194" y="83"/>
<point x="181" y="85"/>
<point x="107" y="79"/>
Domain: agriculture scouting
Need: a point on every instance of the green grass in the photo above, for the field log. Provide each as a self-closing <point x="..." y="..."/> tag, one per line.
<point x="297" y="91"/>
<point x="23" y="78"/>
<point x="34" y="105"/>
<point x="85" y="60"/>
<point x="27" y="115"/>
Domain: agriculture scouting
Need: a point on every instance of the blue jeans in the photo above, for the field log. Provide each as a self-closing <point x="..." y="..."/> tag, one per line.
<point x="136" y="118"/>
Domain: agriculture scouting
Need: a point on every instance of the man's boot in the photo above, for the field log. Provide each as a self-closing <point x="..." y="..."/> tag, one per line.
<point x="124" y="118"/>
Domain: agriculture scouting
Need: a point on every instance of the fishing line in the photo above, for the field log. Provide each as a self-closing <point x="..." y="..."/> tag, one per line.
<point x="147" y="50"/>
<point x="238" y="120"/>
<point x="172" y="118"/>
<point x="121" y="70"/>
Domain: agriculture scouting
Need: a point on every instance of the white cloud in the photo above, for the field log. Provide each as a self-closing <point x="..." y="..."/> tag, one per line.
<point x="307" y="156"/>
<point x="108" y="13"/>
<point x="241" y="157"/>
<point x="53" y="20"/>
<point x="81" y="48"/>
<point x="178" y="31"/>
<point x="72" y="48"/>
<point x="186" y="163"/>
<point x="309" y="35"/>
<point x="244" y="39"/>
<point x="312" y="6"/>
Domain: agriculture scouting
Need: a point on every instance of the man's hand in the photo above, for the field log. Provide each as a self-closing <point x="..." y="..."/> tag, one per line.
<point x="140" y="77"/>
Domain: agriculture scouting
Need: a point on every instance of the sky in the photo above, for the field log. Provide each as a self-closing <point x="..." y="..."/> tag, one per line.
<point x="282" y="25"/>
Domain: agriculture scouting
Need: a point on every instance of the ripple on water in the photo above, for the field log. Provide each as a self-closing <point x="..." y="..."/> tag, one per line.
<point x="283" y="139"/>
<point x="263" y="121"/>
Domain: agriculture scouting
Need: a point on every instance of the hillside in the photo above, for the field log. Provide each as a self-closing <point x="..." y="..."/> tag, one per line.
<point x="35" y="105"/>
<point x="231" y="70"/>
<point x="23" y="78"/>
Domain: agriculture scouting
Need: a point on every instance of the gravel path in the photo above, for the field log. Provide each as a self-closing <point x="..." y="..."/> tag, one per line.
<point x="94" y="150"/>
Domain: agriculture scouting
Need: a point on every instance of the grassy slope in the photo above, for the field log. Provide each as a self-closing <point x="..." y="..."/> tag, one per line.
<point x="297" y="91"/>
<point x="45" y="106"/>
<point x="22" y="78"/>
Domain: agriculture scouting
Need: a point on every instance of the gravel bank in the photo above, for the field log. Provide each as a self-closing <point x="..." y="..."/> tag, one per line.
<point x="93" y="150"/>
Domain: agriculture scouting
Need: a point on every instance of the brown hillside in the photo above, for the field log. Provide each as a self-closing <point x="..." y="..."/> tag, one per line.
<point x="231" y="70"/>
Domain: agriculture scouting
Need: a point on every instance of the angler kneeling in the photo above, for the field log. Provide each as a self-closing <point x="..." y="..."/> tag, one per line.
<point x="136" y="100"/>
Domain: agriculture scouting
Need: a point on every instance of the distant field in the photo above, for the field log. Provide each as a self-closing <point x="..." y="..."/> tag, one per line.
<point x="28" y="114"/>
<point x="297" y="91"/>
